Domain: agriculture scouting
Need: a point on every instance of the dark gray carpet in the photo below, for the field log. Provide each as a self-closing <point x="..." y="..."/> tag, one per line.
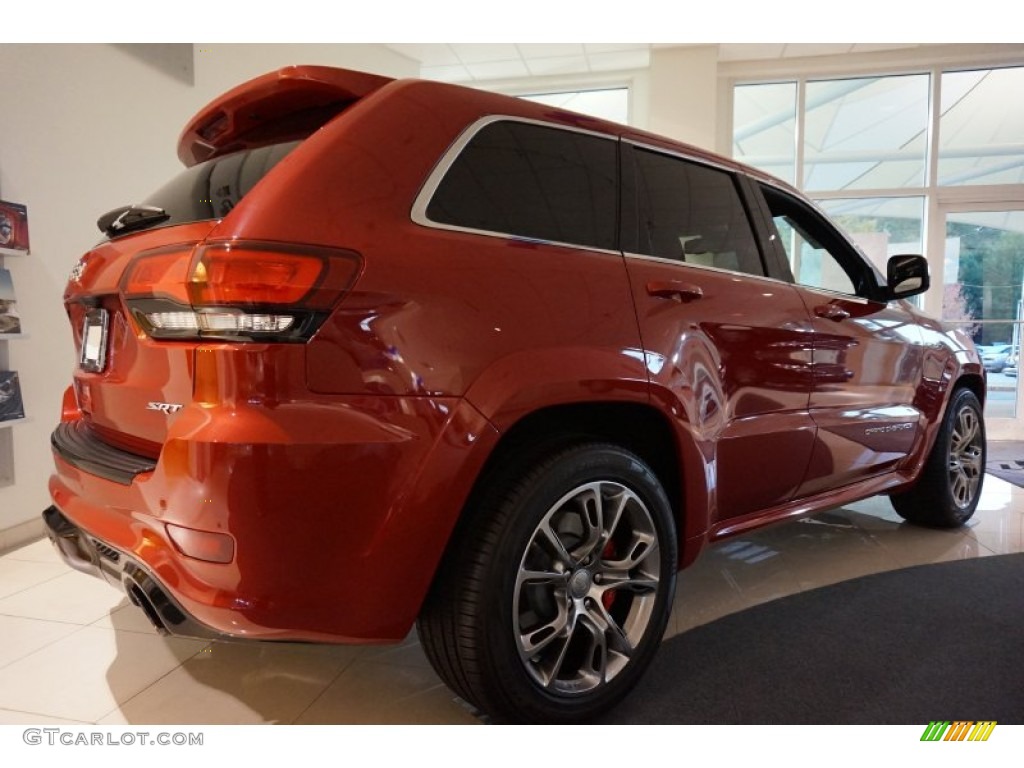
<point x="1005" y="460"/>
<point x="1012" y="471"/>
<point x="934" y="642"/>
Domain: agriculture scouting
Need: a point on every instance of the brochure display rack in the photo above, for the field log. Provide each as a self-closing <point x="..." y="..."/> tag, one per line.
<point x="14" y="241"/>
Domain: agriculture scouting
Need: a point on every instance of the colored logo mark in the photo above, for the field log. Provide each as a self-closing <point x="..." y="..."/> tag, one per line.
<point x="959" y="730"/>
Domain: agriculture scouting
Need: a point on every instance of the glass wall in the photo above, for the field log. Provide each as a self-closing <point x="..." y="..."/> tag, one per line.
<point x="873" y="132"/>
<point x="981" y="131"/>
<point x="867" y="133"/>
<point x="764" y="117"/>
<point x="981" y="293"/>
<point x="984" y="267"/>
<point x="883" y="159"/>
<point x="881" y="226"/>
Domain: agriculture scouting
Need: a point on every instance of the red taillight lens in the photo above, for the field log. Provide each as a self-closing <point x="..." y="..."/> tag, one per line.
<point x="257" y="274"/>
<point x="237" y="290"/>
<point x="159" y="273"/>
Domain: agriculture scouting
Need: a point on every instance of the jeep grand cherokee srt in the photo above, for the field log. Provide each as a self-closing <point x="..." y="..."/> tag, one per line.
<point x="390" y="351"/>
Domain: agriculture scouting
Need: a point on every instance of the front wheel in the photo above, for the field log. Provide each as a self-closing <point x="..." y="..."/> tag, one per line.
<point x="947" y="493"/>
<point x="555" y="594"/>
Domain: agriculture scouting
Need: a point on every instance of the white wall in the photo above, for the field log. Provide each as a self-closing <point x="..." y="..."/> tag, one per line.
<point x="221" y="67"/>
<point x="684" y="93"/>
<point x="86" y="128"/>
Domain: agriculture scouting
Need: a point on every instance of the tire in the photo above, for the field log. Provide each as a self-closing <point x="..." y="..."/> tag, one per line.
<point x="554" y="594"/>
<point x="947" y="492"/>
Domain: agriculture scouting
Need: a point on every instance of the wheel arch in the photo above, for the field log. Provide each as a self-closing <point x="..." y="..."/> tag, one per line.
<point x="973" y="382"/>
<point x="640" y="428"/>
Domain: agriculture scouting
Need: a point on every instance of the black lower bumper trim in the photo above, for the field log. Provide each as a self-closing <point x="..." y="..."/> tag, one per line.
<point x="79" y="446"/>
<point x="88" y="554"/>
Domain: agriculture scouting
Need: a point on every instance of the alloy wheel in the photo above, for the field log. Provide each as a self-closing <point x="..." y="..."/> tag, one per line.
<point x="586" y="588"/>
<point x="965" y="456"/>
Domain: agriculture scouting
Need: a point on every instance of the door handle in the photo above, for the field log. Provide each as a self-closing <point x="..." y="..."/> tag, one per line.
<point x="674" y="289"/>
<point x="831" y="312"/>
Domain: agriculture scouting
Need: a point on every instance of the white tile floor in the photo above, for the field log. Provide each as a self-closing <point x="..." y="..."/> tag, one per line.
<point x="73" y="650"/>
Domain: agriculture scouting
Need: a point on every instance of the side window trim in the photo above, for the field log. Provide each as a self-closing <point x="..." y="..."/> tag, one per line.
<point x="772" y="251"/>
<point x="428" y="189"/>
<point x="721" y="270"/>
<point x="629" y="206"/>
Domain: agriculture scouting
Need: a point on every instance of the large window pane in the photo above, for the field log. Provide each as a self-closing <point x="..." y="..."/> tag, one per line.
<point x="880" y="226"/>
<point x="984" y="267"/>
<point x="605" y="104"/>
<point x="531" y="181"/>
<point x="981" y="131"/>
<point x="982" y="295"/>
<point x="692" y="213"/>
<point x="764" y="127"/>
<point x="866" y="133"/>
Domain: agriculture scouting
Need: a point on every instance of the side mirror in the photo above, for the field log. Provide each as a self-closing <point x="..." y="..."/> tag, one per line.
<point x="908" y="276"/>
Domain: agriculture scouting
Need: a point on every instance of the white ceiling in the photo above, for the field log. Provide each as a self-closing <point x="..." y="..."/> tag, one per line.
<point x="472" y="62"/>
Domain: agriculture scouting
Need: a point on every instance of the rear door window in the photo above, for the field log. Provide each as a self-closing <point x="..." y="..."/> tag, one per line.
<point x="692" y="213"/>
<point x="534" y="182"/>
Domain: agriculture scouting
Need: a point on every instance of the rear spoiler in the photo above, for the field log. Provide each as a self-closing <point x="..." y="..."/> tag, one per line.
<point x="285" y="105"/>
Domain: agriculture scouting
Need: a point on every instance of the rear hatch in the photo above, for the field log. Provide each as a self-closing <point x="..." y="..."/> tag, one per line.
<point x="142" y="301"/>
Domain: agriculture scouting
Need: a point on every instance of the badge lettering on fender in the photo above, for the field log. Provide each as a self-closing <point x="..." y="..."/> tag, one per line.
<point x="167" y="408"/>
<point x="888" y="428"/>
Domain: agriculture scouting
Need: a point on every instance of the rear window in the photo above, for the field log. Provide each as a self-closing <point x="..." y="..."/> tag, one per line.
<point x="210" y="190"/>
<point x="532" y="182"/>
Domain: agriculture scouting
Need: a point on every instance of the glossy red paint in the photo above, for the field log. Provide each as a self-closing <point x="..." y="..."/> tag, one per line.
<point x="340" y="466"/>
<point x="292" y="101"/>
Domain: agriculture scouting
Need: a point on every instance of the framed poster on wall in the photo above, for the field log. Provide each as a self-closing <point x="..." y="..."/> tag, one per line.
<point x="13" y="228"/>
<point x="11" y="405"/>
<point x="10" y="322"/>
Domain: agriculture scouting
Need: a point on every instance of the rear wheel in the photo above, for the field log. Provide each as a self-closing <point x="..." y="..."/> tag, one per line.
<point x="554" y="596"/>
<point x="947" y="493"/>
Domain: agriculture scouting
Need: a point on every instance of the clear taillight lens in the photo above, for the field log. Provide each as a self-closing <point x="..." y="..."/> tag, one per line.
<point x="237" y="290"/>
<point x="230" y="322"/>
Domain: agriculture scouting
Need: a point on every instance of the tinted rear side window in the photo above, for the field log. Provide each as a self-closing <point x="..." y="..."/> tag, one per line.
<point x="533" y="182"/>
<point x="692" y="213"/>
<point x="210" y="190"/>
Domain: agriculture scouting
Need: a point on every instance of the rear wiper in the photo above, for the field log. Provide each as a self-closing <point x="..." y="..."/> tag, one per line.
<point x="129" y="218"/>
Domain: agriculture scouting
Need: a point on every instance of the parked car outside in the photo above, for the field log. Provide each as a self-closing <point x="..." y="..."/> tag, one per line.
<point x="996" y="358"/>
<point x="397" y="351"/>
<point x="1011" y="366"/>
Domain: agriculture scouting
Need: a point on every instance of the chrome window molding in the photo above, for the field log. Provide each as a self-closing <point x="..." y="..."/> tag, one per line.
<point x="678" y="263"/>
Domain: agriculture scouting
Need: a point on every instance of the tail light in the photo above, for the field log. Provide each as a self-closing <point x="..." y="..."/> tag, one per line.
<point x="237" y="291"/>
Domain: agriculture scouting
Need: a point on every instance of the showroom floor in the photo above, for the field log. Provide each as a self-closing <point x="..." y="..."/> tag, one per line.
<point x="74" y="650"/>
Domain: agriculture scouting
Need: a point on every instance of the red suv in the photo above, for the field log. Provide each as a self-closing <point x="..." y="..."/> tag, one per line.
<point x="391" y="351"/>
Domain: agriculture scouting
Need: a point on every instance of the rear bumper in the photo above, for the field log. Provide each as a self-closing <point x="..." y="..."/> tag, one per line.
<point x="338" y="514"/>
<point x="89" y="555"/>
<point x="79" y="447"/>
